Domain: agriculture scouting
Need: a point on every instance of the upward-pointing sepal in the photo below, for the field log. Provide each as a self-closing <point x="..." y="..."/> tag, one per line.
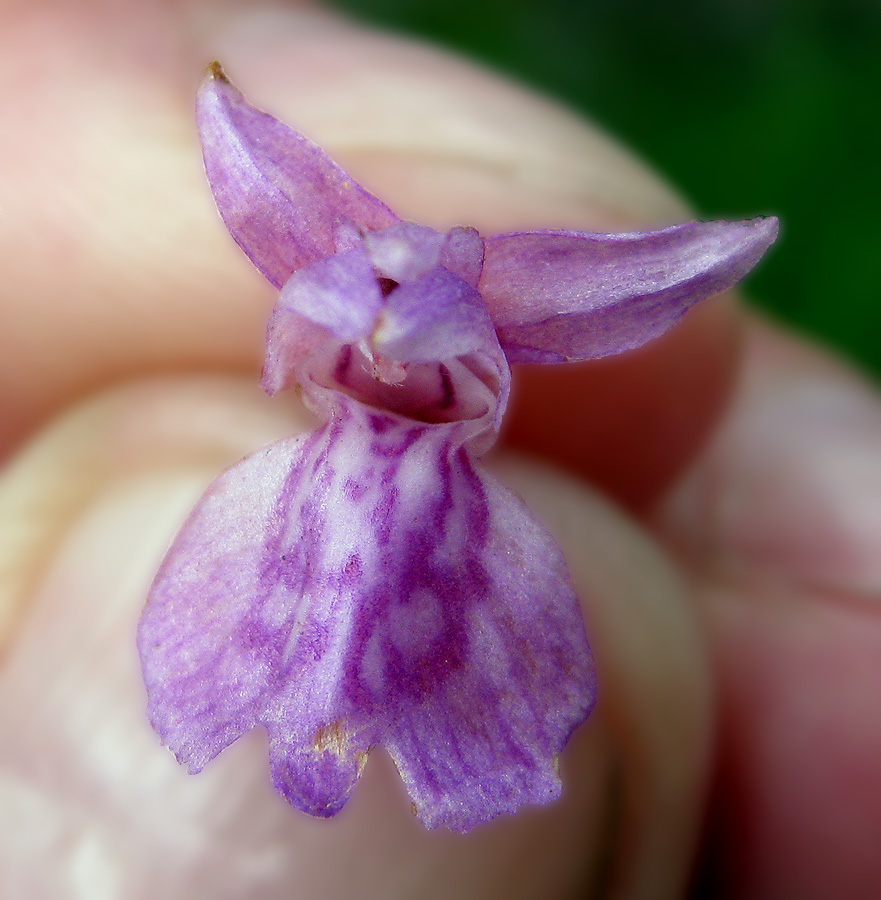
<point x="281" y="196"/>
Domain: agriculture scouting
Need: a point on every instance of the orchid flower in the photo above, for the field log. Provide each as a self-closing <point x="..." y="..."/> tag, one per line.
<point x="370" y="583"/>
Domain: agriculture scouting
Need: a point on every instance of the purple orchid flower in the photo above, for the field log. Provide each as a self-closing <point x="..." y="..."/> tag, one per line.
<point x="369" y="583"/>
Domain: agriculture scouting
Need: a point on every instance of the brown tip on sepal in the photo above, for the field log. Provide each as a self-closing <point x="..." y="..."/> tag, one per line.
<point x="215" y="72"/>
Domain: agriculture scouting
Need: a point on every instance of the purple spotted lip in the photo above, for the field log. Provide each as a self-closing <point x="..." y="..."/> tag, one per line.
<point x="369" y="583"/>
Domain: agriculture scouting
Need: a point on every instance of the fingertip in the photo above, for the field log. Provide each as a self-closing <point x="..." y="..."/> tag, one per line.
<point x="630" y="424"/>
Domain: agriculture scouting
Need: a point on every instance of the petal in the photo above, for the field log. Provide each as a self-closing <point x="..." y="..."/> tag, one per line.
<point x="490" y="669"/>
<point x="283" y="199"/>
<point x="405" y="251"/>
<point x="332" y="300"/>
<point x="558" y="296"/>
<point x="289" y="338"/>
<point x="233" y="633"/>
<point x="367" y="585"/>
<point x="207" y="658"/>
<point x="462" y="254"/>
<point x="317" y="779"/>
<point x="339" y="292"/>
<point x="436" y="317"/>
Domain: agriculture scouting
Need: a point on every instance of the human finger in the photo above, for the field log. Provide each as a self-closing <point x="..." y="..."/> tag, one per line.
<point x="778" y="525"/>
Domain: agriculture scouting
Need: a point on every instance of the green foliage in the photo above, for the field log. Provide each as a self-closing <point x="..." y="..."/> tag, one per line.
<point x="750" y="106"/>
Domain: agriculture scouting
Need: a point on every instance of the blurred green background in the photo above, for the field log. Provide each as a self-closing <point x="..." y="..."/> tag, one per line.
<point x="750" y="106"/>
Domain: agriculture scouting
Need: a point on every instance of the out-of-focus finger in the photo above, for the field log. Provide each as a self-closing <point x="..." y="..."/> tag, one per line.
<point x="780" y="525"/>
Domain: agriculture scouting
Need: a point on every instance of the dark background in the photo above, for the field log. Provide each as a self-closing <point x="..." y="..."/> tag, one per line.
<point x="750" y="106"/>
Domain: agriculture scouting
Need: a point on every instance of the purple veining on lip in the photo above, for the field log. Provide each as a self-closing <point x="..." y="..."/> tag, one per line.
<point x="369" y="583"/>
<point x="394" y="595"/>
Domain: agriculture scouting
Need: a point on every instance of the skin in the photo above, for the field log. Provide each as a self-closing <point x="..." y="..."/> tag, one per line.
<point x="731" y="609"/>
